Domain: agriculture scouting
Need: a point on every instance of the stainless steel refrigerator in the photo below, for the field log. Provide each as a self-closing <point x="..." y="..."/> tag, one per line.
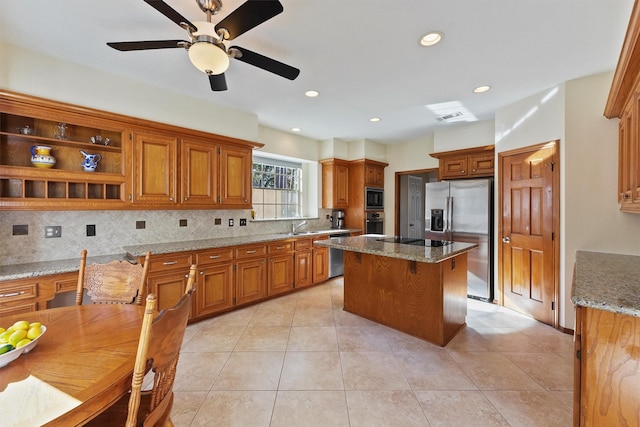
<point x="461" y="210"/>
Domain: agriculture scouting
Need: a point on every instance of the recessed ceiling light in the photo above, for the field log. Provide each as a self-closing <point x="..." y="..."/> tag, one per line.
<point x="431" y="38"/>
<point x="295" y="129"/>
<point x="374" y="119"/>
<point x="312" y="93"/>
<point x="481" y="89"/>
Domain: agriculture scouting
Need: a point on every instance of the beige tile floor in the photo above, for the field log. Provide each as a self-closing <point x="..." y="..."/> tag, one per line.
<point x="300" y="360"/>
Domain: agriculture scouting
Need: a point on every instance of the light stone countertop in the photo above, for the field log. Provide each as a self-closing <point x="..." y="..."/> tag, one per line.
<point x="369" y="244"/>
<point x="609" y="282"/>
<point x="46" y="268"/>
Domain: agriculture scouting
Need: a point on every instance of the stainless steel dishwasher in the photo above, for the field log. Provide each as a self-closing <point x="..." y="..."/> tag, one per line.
<point x="336" y="258"/>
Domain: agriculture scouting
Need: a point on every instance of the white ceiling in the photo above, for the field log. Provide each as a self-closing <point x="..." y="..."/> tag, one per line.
<point x="362" y="55"/>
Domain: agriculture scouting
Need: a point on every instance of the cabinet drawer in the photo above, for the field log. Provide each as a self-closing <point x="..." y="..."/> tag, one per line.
<point x="214" y="256"/>
<point x="65" y="282"/>
<point x="303" y="244"/>
<point x="251" y="251"/>
<point x="280" y="247"/>
<point x="18" y="291"/>
<point x="170" y="261"/>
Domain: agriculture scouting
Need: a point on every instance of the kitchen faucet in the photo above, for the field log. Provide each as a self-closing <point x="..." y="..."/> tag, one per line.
<point x="295" y="227"/>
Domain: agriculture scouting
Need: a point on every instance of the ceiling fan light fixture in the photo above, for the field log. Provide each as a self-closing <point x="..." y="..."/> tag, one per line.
<point x="208" y="58"/>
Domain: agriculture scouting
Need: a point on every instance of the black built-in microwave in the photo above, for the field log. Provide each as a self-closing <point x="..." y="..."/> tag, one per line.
<point x="374" y="199"/>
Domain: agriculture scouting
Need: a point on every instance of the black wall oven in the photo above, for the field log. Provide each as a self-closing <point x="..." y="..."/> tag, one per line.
<point x="374" y="199"/>
<point x="374" y="222"/>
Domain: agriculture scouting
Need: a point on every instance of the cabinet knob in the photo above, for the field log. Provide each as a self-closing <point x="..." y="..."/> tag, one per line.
<point x="171" y="199"/>
<point x="186" y="198"/>
<point x="461" y="171"/>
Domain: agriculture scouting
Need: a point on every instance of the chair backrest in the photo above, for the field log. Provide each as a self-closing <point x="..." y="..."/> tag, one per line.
<point x="118" y="282"/>
<point x="159" y="350"/>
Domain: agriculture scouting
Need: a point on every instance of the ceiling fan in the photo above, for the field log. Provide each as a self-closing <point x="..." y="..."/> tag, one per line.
<point x="206" y="44"/>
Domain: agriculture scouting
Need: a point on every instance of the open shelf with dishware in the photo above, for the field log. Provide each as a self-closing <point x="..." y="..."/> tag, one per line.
<point x="54" y="152"/>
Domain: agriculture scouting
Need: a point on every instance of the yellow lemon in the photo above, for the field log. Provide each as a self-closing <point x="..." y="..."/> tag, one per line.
<point x="21" y="324"/>
<point x="22" y="342"/>
<point x="2" y="330"/>
<point x="31" y="325"/>
<point x="17" y="336"/>
<point x="4" y="337"/>
<point x="5" y="348"/>
<point x="10" y="329"/>
<point x="34" y="332"/>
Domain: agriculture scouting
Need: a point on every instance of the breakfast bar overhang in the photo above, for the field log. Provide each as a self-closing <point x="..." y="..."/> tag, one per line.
<point x="419" y="290"/>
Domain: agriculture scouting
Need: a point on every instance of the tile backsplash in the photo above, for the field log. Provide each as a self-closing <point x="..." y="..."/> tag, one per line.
<point x="116" y="229"/>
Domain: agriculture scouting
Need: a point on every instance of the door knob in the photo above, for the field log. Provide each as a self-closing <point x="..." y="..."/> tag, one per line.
<point x="506" y="239"/>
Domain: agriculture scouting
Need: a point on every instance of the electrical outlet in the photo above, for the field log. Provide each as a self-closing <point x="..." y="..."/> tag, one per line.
<point x="20" y="230"/>
<point x="243" y="222"/>
<point x="91" y="230"/>
<point x="231" y="222"/>
<point x="217" y="221"/>
<point x="52" y="231"/>
<point x="183" y="223"/>
<point x="140" y="225"/>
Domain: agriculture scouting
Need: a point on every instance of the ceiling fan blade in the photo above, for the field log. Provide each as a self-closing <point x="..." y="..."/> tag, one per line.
<point x="149" y="44"/>
<point x="250" y="14"/>
<point x="218" y="82"/>
<point x="170" y="13"/>
<point x="268" y="64"/>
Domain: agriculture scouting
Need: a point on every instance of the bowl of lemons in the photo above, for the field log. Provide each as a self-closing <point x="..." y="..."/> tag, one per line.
<point x="19" y="338"/>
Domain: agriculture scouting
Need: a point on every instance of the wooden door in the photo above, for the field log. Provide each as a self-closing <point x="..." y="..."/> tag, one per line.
<point x="528" y="241"/>
<point x="199" y="172"/>
<point x="155" y="166"/>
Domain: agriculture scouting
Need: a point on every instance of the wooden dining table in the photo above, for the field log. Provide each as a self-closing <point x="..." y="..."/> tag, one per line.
<point x="80" y="366"/>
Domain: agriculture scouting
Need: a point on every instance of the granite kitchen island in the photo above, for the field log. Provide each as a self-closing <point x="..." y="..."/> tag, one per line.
<point x="419" y="290"/>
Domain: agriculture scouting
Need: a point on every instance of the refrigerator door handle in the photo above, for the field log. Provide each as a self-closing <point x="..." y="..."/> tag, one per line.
<point x="450" y="213"/>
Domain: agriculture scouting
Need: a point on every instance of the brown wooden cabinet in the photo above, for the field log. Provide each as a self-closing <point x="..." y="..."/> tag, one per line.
<point x="167" y="277"/>
<point x="606" y="372"/>
<point x="27" y="122"/>
<point x="235" y="177"/>
<point x="214" y="287"/>
<point x="199" y="172"/>
<point x="468" y="163"/>
<point x="335" y="183"/>
<point x="303" y="263"/>
<point x="155" y="167"/>
<point x="251" y="273"/>
<point x="374" y="174"/>
<point x="623" y="103"/>
<point x="320" y="257"/>
<point x="141" y="161"/>
<point x="280" y="267"/>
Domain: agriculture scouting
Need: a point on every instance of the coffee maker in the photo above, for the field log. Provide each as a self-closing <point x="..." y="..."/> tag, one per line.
<point x="337" y="218"/>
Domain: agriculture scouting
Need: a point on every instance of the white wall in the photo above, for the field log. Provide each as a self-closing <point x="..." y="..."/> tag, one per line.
<point x="407" y="156"/>
<point x="464" y="135"/>
<point x="24" y="71"/>
<point x="593" y="219"/>
<point x="589" y="218"/>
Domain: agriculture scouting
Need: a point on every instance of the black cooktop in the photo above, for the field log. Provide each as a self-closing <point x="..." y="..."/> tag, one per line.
<point x="414" y="241"/>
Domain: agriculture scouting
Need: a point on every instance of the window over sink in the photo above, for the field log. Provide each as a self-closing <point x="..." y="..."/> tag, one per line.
<point x="277" y="188"/>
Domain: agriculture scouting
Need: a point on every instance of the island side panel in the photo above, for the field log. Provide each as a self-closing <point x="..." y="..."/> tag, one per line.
<point x="454" y="281"/>
<point x="407" y="295"/>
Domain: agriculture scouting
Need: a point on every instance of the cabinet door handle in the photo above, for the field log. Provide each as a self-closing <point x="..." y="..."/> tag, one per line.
<point x="279" y="247"/>
<point x="251" y="252"/>
<point x="170" y="263"/>
<point x="214" y="256"/>
<point x="13" y="294"/>
<point x="506" y="239"/>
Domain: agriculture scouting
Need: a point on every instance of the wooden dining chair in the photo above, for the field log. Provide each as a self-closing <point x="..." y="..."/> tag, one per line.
<point x="117" y="282"/>
<point x="158" y="352"/>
